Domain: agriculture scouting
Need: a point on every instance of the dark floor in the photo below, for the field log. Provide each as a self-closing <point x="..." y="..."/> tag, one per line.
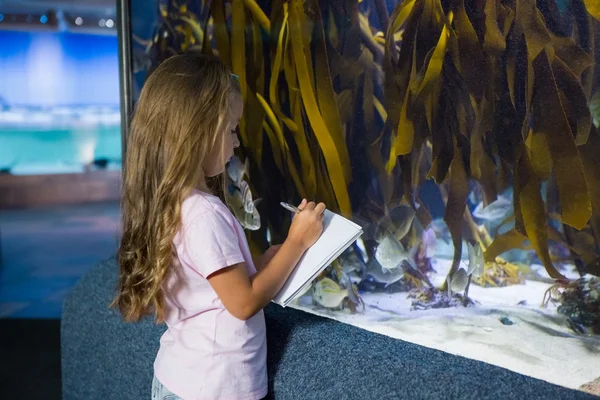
<point x="44" y="253"/>
<point x="30" y="361"/>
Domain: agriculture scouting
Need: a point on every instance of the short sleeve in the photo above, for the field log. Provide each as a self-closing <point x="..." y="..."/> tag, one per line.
<point x="211" y="243"/>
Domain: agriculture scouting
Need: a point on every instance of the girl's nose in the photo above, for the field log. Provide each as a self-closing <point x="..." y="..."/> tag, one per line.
<point x="236" y="141"/>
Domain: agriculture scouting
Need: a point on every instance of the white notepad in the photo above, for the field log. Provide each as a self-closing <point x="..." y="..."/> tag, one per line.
<point x="338" y="234"/>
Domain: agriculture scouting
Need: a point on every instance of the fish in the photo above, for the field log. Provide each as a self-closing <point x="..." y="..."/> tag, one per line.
<point x="381" y="275"/>
<point x="246" y="196"/>
<point x="248" y="220"/>
<point x="361" y="249"/>
<point x="476" y="262"/>
<point x="402" y="218"/>
<point x="472" y="198"/>
<point x="475" y="193"/>
<point x="497" y="211"/>
<point x="391" y="254"/>
<point x="429" y="241"/>
<point x="252" y="220"/>
<point x="352" y="261"/>
<point x="141" y="60"/>
<point x="459" y="280"/>
<point x="268" y="235"/>
<point x="328" y="293"/>
<point x="352" y="290"/>
<point x="239" y="189"/>
<point x="595" y="109"/>
<point x="440" y="229"/>
<point x="392" y="261"/>
<point x="236" y="170"/>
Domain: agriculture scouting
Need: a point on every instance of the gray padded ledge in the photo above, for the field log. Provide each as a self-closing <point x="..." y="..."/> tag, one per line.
<point x="309" y="358"/>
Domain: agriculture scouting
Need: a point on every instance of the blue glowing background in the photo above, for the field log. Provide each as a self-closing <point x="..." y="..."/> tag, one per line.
<point x="58" y="69"/>
<point x="59" y="101"/>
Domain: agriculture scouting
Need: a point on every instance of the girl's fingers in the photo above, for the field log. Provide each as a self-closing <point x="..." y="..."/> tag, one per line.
<point x="302" y="204"/>
<point x="320" y="208"/>
<point x="310" y="206"/>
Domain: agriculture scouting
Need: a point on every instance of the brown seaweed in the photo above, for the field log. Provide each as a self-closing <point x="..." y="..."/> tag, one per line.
<point x="358" y="108"/>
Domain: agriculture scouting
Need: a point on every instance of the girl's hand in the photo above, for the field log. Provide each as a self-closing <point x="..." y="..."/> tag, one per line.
<point x="307" y="225"/>
<point x="267" y="256"/>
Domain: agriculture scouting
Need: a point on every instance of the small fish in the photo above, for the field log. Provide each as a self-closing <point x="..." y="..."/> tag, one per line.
<point x="390" y="254"/>
<point x="141" y="60"/>
<point x="233" y="198"/>
<point x="351" y="261"/>
<point x="248" y="220"/>
<point x="236" y="170"/>
<point x="246" y="196"/>
<point x="497" y="211"/>
<point x="429" y="241"/>
<point x="381" y="229"/>
<point x="352" y="290"/>
<point x="472" y="198"/>
<point x="328" y="293"/>
<point x="595" y="109"/>
<point x="381" y="275"/>
<point x="459" y="281"/>
<point x="402" y="218"/>
<point x="268" y="236"/>
<point x="252" y="220"/>
<point x="476" y="262"/>
<point x="361" y="249"/>
<point x="440" y="229"/>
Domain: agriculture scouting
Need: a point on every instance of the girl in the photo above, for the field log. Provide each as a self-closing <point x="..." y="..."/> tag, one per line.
<point x="183" y="256"/>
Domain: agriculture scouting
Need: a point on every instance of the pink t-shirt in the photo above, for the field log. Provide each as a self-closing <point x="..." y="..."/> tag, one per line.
<point x="206" y="353"/>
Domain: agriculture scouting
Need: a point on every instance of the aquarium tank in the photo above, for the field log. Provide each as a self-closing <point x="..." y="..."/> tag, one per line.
<point x="462" y="135"/>
<point x="59" y="102"/>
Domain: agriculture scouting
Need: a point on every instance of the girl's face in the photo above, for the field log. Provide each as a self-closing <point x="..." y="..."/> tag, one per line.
<point x="215" y="163"/>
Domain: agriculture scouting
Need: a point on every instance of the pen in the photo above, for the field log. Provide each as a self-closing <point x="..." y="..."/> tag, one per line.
<point x="290" y="207"/>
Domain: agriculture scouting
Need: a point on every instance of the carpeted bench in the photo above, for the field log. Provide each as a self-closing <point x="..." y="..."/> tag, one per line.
<point x="309" y="357"/>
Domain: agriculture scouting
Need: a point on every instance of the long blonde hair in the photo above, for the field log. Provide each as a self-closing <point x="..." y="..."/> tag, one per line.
<point x="179" y="119"/>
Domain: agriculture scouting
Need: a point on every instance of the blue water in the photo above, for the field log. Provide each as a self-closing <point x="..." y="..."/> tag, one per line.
<point x="47" y="141"/>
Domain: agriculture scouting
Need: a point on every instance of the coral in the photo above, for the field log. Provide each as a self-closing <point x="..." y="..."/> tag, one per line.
<point x="499" y="273"/>
<point x="580" y="302"/>
<point x="429" y="298"/>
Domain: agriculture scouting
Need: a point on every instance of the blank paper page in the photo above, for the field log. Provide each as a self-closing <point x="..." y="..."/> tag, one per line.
<point x="338" y="234"/>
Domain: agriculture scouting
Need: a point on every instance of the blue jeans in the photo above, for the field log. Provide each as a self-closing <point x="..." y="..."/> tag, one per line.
<point x="160" y="392"/>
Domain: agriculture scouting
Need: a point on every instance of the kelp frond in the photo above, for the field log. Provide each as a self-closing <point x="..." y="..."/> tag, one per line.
<point x="359" y="107"/>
